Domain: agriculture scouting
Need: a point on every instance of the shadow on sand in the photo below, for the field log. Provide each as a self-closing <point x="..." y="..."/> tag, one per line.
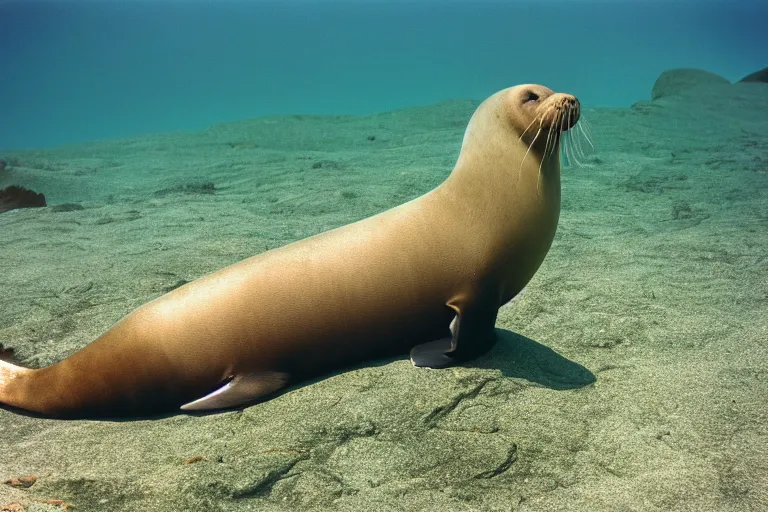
<point x="522" y="358"/>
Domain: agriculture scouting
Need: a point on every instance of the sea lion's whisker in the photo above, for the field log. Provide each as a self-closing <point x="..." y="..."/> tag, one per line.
<point x="533" y="141"/>
<point x="528" y="128"/>
<point x="581" y="135"/>
<point x="557" y="132"/>
<point x="551" y="136"/>
<point x="587" y="129"/>
<point x="520" y="171"/>
<point x="572" y="145"/>
<point x="565" y="135"/>
<point x="577" y="137"/>
<point x="549" y="147"/>
<point x="569" y="150"/>
<point x="567" y="140"/>
<point x="587" y="136"/>
<point x="579" y="155"/>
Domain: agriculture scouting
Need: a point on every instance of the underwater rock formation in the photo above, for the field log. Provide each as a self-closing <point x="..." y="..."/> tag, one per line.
<point x="675" y="81"/>
<point x="757" y="76"/>
<point x="15" y="197"/>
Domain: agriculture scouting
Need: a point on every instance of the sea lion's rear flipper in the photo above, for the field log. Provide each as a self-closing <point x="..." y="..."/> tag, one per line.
<point x="243" y="388"/>
<point x="11" y="380"/>
<point x="472" y="335"/>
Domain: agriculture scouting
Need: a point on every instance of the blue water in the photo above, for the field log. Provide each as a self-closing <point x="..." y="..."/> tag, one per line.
<point x="82" y="70"/>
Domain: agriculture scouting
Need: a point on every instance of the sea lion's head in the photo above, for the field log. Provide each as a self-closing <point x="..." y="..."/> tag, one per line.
<point x="540" y="115"/>
<point x="522" y="124"/>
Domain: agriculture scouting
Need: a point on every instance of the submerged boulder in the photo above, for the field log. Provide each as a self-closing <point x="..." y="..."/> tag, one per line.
<point x="15" y="197"/>
<point x="757" y="76"/>
<point x="676" y="81"/>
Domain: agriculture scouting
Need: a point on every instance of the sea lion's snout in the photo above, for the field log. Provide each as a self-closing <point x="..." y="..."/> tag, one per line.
<point x="573" y="111"/>
<point x="563" y="112"/>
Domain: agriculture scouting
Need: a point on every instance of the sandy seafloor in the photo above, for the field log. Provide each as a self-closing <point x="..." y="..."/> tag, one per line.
<point x="631" y="375"/>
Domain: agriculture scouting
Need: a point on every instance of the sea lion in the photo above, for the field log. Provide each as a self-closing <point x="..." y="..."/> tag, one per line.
<point x="428" y="275"/>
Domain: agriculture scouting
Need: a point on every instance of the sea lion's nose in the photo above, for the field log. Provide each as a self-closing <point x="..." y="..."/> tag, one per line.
<point x="573" y="107"/>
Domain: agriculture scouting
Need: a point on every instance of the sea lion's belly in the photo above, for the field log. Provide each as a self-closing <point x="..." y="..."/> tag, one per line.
<point x="369" y="289"/>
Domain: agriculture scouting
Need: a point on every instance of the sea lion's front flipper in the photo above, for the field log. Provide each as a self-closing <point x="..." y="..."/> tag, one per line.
<point x="243" y="388"/>
<point x="472" y="334"/>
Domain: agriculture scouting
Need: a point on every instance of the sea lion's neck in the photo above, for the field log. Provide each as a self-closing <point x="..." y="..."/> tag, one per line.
<point x="509" y="203"/>
<point x="502" y="178"/>
<point x="497" y="159"/>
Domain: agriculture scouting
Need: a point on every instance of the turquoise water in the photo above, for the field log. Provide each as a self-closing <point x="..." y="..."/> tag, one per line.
<point x="83" y="70"/>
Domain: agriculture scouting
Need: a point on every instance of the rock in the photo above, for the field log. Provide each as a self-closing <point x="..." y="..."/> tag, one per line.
<point x="19" y="197"/>
<point x="67" y="207"/>
<point x="188" y="188"/>
<point x="757" y="76"/>
<point x="675" y="81"/>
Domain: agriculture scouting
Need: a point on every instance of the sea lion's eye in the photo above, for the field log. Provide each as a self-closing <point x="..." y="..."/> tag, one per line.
<point x="531" y="96"/>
